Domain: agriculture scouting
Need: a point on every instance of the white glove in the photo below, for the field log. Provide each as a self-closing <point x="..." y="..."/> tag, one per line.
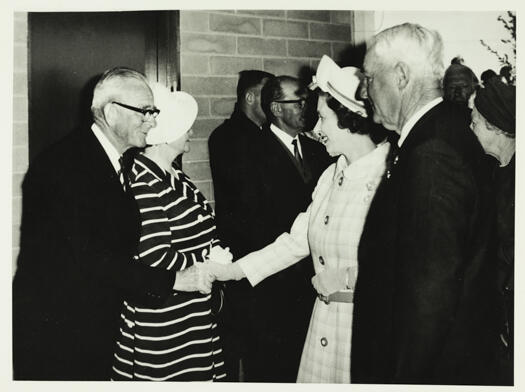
<point x="225" y="272"/>
<point x="194" y="278"/>
<point x="332" y="280"/>
<point x="218" y="254"/>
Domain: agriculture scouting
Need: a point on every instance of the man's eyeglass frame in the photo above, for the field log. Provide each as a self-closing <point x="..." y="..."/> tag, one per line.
<point x="300" y="101"/>
<point x="147" y="113"/>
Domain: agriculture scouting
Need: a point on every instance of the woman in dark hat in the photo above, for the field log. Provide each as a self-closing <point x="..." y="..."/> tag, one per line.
<point x="494" y="124"/>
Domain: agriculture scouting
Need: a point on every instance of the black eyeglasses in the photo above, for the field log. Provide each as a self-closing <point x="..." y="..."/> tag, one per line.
<point x="300" y="101"/>
<point x="147" y="113"/>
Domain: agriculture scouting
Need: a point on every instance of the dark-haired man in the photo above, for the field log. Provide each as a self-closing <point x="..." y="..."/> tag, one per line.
<point x="232" y="148"/>
<point x="289" y="166"/>
<point x="459" y="83"/>
<point x="258" y="199"/>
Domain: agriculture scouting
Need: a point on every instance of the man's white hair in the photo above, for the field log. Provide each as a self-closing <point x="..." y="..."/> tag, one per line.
<point x="108" y="87"/>
<point x="418" y="47"/>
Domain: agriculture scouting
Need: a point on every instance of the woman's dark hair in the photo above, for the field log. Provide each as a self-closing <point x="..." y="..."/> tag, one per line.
<point x="346" y="119"/>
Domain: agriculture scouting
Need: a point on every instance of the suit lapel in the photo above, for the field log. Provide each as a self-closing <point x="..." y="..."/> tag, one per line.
<point x="98" y="167"/>
<point x="419" y="131"/>
<point x="281" y="155"/>
<point x="309" y="158"/>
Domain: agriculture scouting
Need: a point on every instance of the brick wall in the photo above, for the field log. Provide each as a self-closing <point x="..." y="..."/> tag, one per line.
<point x="20" y="124"/>
<point x="216" y="45"/>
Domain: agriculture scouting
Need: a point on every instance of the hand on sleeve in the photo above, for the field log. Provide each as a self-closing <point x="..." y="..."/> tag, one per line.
<point x="332" y="280"/>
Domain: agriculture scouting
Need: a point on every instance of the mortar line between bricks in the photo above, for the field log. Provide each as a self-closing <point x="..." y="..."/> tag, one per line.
<point x="265" y="56"/>
<point x="275" y="38"/>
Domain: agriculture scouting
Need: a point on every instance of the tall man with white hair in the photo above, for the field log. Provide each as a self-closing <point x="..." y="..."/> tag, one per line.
<point x="423" y="306"/>
<point x="80" y="229"/>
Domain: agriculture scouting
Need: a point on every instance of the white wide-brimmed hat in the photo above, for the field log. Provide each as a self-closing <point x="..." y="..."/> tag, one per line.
<point x="178" y="111"/>
<point x="340" y="83"/>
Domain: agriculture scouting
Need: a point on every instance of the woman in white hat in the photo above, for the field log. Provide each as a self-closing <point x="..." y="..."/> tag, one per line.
<point x="331" y="227"/>
<point x="179" y="340"/>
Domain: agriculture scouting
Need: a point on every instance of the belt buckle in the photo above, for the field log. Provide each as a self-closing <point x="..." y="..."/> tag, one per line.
<point x="323" y="298"/>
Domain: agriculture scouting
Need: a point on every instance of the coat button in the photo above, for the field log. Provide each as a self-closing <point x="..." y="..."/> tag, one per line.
<point x="370" y="185"/>
<point x="321" y="260"/>
<point x="324" y="342"/>
<point x="388" y="174"/>
<point x="367" y="198"/>
<point x="396" y="159"/>
<point x="326" y="219"/>
<point x="341" y="181"/>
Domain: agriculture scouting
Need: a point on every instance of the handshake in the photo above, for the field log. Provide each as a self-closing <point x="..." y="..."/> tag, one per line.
<point x="200" y="276"/>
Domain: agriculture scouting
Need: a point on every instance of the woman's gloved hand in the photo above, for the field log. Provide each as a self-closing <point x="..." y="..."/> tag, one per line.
<point x="332" y="280"/>
<point x="224" y="272"/>
<point x="194" y="278"/>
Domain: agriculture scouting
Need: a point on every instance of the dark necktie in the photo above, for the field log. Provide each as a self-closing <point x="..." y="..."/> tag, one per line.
<point x="126" y="163"/>
<point x="296" y="153"/>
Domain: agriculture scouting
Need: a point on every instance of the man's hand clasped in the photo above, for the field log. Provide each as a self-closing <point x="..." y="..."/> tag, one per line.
<point x="194" y="278"/>
<point x="219" y="263"/>
<point x="199" y="277"/>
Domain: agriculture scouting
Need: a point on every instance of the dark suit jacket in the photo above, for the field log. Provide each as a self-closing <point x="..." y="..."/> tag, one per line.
<point x="424" y="301"/>
<point x="233" y="147"/>
<point x="79" y="233"/>
<point x="259" y="191"/>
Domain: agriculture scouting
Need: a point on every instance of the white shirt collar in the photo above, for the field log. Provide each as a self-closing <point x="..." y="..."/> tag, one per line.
<point x="285" y="138"/>
<point x="415" y="118"/>
<point x="109" y="148"/>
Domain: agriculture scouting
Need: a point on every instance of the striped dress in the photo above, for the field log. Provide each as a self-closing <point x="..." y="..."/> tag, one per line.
<point x="177" y="341"/>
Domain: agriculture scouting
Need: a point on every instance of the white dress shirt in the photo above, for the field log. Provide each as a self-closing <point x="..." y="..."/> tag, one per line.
<point x="109" y="148"/>
<point x="286" y="139"/>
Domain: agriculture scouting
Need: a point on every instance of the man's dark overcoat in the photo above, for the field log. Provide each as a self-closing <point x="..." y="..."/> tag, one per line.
<point x="267" y="193"/>
<point x="424" y="301"/>
<point x="78" y="235"/>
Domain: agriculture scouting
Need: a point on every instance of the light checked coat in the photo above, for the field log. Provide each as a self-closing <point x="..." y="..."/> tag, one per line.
<point x="330" y="230"/>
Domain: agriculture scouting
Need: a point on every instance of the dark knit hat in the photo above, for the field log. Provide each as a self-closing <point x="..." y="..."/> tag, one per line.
<point x="497" y="103"/>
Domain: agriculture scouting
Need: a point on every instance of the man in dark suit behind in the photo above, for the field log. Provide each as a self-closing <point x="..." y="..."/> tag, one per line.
<point x="79" y="233"/>
<point x="424" y="306"/>
<point x="232" y="148"/>
<point x="277" y="185"/>
<point x="288" y="165"/>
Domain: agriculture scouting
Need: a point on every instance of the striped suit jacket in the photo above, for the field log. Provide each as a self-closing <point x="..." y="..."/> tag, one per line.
<point x="179" y="340"/>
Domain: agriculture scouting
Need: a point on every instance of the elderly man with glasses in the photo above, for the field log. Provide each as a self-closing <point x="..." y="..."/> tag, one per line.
<point x="80" y="228"/>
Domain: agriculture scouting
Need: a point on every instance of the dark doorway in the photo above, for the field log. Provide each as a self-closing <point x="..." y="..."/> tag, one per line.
<point x="69" y="50"/>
